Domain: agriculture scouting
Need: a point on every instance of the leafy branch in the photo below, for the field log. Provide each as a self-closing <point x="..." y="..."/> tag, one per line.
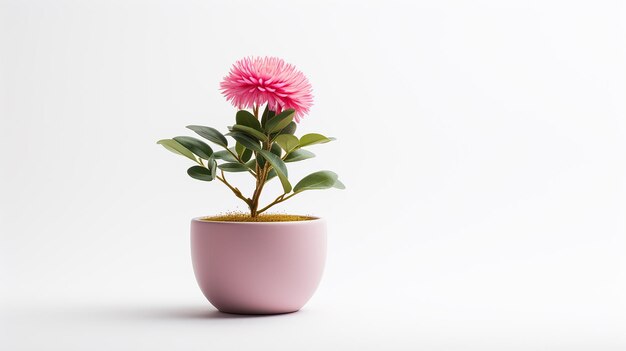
<point x="263" y="146"/>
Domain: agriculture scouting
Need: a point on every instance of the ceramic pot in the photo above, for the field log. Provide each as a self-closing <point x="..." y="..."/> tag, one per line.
<point x="258" y="268"/>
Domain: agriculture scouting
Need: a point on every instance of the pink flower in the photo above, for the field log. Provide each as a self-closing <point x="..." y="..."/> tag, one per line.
<point x="259" y="80"/>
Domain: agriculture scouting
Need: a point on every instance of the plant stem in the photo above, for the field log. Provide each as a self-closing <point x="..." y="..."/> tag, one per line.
<point x="261" y="177"/>
<point x="278" y="200"/>
<point x="233" y="189"/>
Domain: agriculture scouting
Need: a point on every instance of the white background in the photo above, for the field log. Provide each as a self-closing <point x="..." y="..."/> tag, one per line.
<point x="482" y="142"/>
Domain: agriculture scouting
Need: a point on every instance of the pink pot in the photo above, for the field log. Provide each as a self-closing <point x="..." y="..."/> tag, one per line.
<point x="258" y="268"/>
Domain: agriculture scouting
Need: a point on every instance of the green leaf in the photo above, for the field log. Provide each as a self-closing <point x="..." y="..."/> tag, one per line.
<point x="247" y="154"/>
<point x="233" y="167"/>
<point x="251" y="164"/>
<point x="239" y="149"/>
<point x="225" y="155"/>
<point x="201" y="173"/>
<point x="247" y="119"/>
<point x="316" y="180"/>
<point x="289" y="129"/>
<point x="313" y="138"/>
<point x="196" y="146"/>
<point x="279" y="166"/>
<point x="267" y="115"/>
<point x="299" y="155"/>
<point x="175" y="147"/>
<point x="244" y="154"/>
<point x="245" y="140"/>
<point x="212" y="167"/>
<point x="210" y="134"/>
<point x="275" y="149"/>
<point x="250" y="131"/>
<point x="280" y="121"/>
<point x="260" y="161"/>
<point x="270" y="175"/>
<point x="339" y="185"/>
<point x="287" y="142"/>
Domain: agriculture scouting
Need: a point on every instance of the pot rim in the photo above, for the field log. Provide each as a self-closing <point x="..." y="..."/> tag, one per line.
<point x="314" y="219"/>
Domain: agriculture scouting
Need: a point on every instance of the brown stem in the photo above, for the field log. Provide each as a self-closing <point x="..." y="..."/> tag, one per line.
<point x="261" y="177"/>
<point x="278" y="200"/>
<point x="233" y="189"/>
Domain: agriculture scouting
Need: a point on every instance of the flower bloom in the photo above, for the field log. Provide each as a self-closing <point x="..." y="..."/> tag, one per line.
<point x="254" y="81"/>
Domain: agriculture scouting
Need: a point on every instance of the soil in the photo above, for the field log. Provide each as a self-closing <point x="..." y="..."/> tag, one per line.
<point x="245" y="217"/>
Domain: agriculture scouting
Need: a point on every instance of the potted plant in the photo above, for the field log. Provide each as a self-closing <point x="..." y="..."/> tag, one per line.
<point x="258" y="263"/>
